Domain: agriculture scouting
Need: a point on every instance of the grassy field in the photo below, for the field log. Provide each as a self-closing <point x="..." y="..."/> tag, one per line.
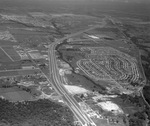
<point x="6" y="43"/>
<point x="18" y="72"/>
<point x="11" y="52"/>
<point x="15" y="94"/>
<point x="78" y="80"/>
<point x="4" y="57"/>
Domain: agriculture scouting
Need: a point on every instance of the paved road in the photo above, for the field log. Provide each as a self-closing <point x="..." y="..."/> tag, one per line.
<point x="60" y="89"/>
<point x="58" y="84"/>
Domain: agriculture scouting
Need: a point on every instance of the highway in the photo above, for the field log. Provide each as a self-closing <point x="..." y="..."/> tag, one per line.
<point x="59" y="87"/>
<point x="58" y="84"/>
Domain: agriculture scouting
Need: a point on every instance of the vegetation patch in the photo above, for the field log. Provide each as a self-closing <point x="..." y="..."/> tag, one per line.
<point x="34" y="113"/>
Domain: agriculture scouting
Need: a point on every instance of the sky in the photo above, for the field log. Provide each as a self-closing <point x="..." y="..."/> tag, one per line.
<point x="106" y="0"/>
<point x="124" y="1"/>
<point x="78" y="6"/>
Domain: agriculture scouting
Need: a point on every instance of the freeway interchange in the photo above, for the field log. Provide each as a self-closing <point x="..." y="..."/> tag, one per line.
<point x="58" y="84"/>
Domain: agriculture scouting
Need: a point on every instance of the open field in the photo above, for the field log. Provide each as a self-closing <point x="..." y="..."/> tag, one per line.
<point x="106" y="33"/>
<point x="4" y="57"/>
<point x="83" y="82"/>
<point x="6" y="35"/>
<point x="6" y="43"/>
<point x="10" y="65"/>
<point x="15" y="94"/>
<point x="18" y="72"/>
<point x="11" y="52"/>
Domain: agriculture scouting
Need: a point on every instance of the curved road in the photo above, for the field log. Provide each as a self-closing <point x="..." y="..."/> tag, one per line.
<point x="58" y="84"/>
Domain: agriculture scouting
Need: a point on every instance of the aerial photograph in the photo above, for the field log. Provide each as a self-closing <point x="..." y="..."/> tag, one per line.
<point x="74" y="62"/>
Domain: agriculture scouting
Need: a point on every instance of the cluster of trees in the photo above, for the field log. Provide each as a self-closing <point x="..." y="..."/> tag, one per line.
<point x="139" y="34"/>
<point x="138" y="118"/>
<point x="135" y="122"/>
<point x="38" y="113"/>
<point x="143" y="112"/>
<point x="133" y="100"/>
<point x="146" y="92"/>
